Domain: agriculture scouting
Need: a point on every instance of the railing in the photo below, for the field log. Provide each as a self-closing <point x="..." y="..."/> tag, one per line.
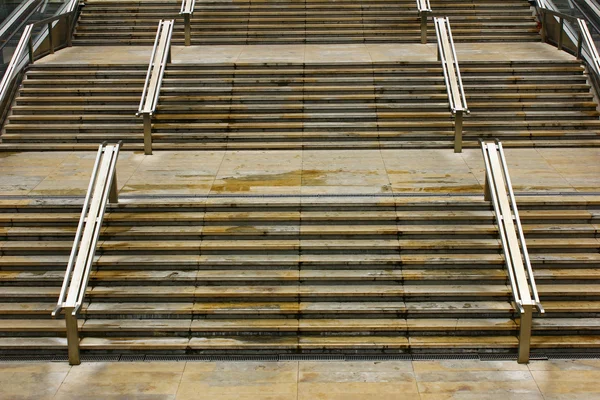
<point x="161" y="55"/>
<point x="498" y="189"/>
<point x="452" y="76"/>
<point x="102" y="188"/>
<point x="424" y="11"/>
<point x="57" y="34"/>
<point x="16" y="19"/>
<point x="572" y="35"/>
<point x="187" y="9"/>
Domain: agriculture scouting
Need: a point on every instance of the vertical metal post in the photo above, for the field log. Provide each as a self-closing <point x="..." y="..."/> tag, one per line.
<point x="50" y="40"/>
<point x="560" y="33"/>
<point x="458" y="130"/>
<point x="424" y="27"/>
<point x="147" y="134"/>
<point x="525" y="334"/>
<point x="72" y="336"/>
<point x="579" y="44"/>
<point x="113" y="195"/>
<point x="188" y="29"/>
<point x="30" y="47"/>
<point x="68" y="31"/>
<point x="544" y="27"/>
<point x="487" y="194"/>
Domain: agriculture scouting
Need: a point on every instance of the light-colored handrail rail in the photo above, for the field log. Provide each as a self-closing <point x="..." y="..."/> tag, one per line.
<point x="187" y="9"/>
<point x="498" y="189"/>
<point x="101" y="189"/>
<point x="14" y="66"/>
<point x="587" y="39"/>
<point x="521" y="235"/>
<point x="452" y="77"/>
<point x="424" y="8"/>
<point x="161" y="55"/>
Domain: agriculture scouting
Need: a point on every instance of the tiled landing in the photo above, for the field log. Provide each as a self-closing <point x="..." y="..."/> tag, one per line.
<point x="327" y="53"/>
<point x="300" y="172"/>
<point x="423" y="380"/>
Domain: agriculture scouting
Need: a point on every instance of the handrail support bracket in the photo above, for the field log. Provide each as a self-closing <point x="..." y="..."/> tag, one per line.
<point x="72" y="336"/>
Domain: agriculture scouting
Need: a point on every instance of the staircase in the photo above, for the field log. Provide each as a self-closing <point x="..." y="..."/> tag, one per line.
<point x="313" y="22"/>
<point x="293" y="106"/>
<point x="235" y="276"/>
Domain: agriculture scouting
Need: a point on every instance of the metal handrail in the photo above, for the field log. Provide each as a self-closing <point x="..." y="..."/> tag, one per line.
<point x="101" y="189"/>
<point x="583" y="36"/>
<point x="18" y="61"/>
<point x="164" y="28"/>
<point x="187" y="9"/>
<point x="521" y="235"/>
<point x="498" y="189"/>
<point x="452" y="77"/>
<point x="424" y="8"/>
<point x="28" y="7"/>
<point x="161" y="55"/>
<point x="76" y="241"/>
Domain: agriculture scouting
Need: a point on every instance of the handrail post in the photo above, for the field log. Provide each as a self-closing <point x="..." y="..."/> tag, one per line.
<point x="544" y="26"/>
<point x="50" y="40"/>
<point x="113" y="194"/>
<point x="424" y="9"/>
<point x="68" y="30"/>
<point x="458" y="131"/>
<point x="525" y="325"/>
<point x="424" y="27"/>
<point x="72" y="336"/>
<point x="560" y="33"/>
<point x="188" y="29"/>
<point x="187" y="9"/>
<point x="30" y="50"/>
<point x="147" y="134"/>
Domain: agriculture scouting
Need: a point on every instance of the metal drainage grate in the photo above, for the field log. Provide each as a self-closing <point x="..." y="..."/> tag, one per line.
<point x="99" y="358"/>
<point x="434" y="357"/>
<point x="132" y="358"/>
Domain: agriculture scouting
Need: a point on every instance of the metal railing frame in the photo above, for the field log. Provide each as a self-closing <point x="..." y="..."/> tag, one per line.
<point x="452" y="77"/>
<point x="35" y="50"/>
<point x="498" y="189"/>
<point x="187" y="10"/>
<point x="161" y="55"/>
<point x="21" y="13"/>
<point x="577" y="32"/>
<point x="101" y="190"/>
<point x="424" y="8"/>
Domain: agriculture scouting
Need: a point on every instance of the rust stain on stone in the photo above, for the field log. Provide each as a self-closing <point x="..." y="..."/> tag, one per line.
<point x="246" y="183"/>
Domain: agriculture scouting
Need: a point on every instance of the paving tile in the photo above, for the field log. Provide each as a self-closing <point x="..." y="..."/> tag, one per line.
<point x="271" y="53"/>
<point x="323" y="53"/>
<point x="31" y="380"/>
<point x="465" y="383"/>
<point x="239" y="380"/>
<point x="402" y="52"/>
<point x="567" y="379"/>
<point x="122" y="381"/>
<point x="356" y="380"/>
<point x="100" y="55"/>
<point x="205" y="54"/>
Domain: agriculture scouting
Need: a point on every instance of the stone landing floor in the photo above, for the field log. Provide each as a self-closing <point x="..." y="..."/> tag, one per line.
<point x="406" y="380"/>
<point x="300" y="172"/>
<point x="310" y="53"/>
